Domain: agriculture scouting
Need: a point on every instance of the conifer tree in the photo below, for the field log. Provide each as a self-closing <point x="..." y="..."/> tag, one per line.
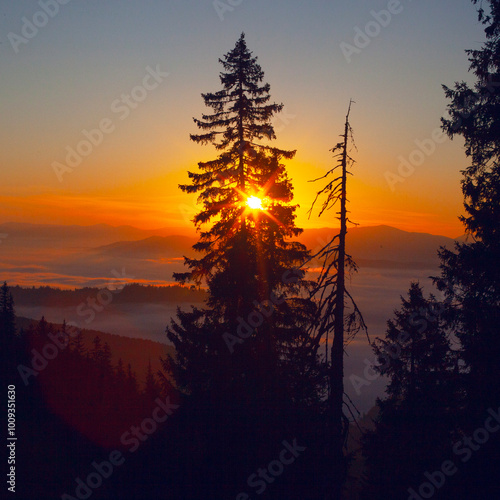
<point x="120" y="372"/>
<point x="247" y="257"/>
<point x="78" y="346"/>
<point x="246" y="353"/>
<point x="95" y="354"/>
<point x="470" y="275"/>
<point x="105" y="358"/>
<point x="152" y="388"/>
<point x="7" y="317"/>
<point x="131" y="379"/>
<point x="8" y="344"/>
<point x="415" y="421"/>
<point x="244" y="169"/>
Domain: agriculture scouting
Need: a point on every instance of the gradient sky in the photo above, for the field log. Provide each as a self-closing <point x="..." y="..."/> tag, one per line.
<point x="67" y="76"/>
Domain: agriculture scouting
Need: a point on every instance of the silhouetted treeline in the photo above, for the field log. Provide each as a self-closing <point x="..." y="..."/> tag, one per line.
<point x="73" y="405"/>
<point x="131" y="293"/>
<point x="84" y="387"/>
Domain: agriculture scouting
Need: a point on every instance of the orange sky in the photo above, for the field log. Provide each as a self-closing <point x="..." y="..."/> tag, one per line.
<point x="157" y="202"/>
<point x="133" y="178"/>
<point x="67" y="81"/>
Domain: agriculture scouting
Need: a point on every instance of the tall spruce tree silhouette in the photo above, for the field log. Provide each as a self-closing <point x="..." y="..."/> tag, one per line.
<point x="470" y="275"/>
<point x="246" y="354"/>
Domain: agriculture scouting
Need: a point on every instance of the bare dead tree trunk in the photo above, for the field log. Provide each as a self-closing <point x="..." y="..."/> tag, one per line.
<point x="330" y="293"/>
<point x="337" y="354"/>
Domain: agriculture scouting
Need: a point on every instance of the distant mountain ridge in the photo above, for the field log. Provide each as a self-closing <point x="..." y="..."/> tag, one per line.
<point x="381" y="246"/>
<point x="374" y="246"/>
<point x="79" y="256"/>
<point x="92" y="235"/>
<point x="152" y="247"/>
<point x="135" y="294"/>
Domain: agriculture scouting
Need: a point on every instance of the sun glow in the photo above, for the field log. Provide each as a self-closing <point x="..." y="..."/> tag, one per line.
<point x="255" y="203"/>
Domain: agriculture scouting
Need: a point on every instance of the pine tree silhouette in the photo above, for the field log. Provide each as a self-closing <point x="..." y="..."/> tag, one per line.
<point x="246" y="354"/>
<point x="8" y="344"/>
<point x="413" y="429"/>
<point x="470" y="275"/>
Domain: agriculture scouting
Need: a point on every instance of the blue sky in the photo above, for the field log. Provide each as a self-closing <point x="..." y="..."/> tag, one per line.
<point x="65" y="78"/>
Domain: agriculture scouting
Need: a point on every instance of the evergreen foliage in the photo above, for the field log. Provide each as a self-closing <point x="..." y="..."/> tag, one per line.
<point x="245" y="359"/>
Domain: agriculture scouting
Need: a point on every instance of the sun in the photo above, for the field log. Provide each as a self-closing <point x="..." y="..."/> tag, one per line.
<point x="255" y="203"/>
